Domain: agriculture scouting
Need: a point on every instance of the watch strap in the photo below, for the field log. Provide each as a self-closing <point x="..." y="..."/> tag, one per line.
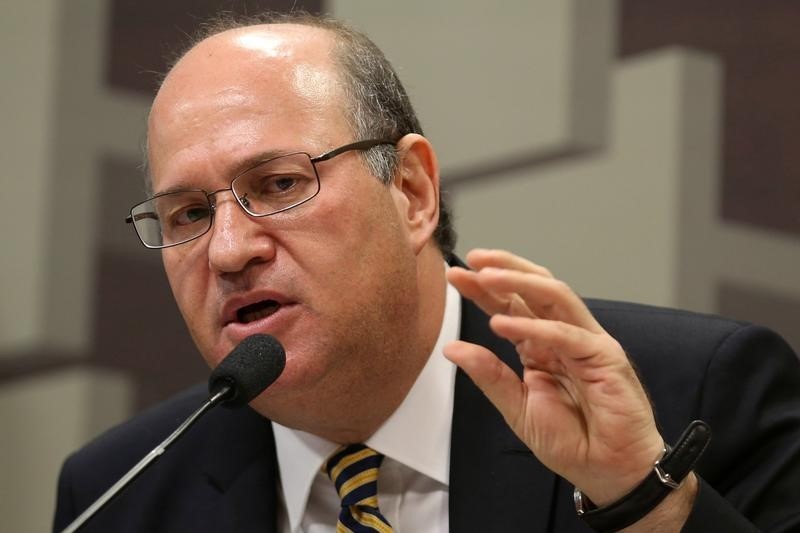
<point x="666" y="476"/>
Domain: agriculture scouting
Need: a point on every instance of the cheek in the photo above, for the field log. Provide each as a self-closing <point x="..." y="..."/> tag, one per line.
<point x="370" y="214"/>
<point x="185" y="277"/>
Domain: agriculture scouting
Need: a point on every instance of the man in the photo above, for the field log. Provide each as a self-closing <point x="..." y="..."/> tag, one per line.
<point x="344" y="258"/>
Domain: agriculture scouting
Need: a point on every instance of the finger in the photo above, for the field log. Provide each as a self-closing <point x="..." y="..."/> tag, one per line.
<point x="479" y="258"/>
<point x="577" y="349"/>
<point x="596" y="372"/>
<point x="512" y="397"/>
<point x="537" y="355"/>
<point x="556" y="389"/>
<point x="497" y="381"/>
<point x="547" y="297"/>
<point x="544" y="358"/>
<point x="466" y="282"/>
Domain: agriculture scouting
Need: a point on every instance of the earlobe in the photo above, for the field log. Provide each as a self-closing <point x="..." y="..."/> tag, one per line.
<point x="417" y="182"/>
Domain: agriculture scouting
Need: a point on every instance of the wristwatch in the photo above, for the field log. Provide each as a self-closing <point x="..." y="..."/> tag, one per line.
<point x="667" y="475"/>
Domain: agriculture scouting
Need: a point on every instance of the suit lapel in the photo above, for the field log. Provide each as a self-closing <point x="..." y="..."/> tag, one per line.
<point x="241" y="470"/>
<point x="496" y="483"/>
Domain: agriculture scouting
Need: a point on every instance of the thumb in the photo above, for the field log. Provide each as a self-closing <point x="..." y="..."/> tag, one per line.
<point x="492" y="376"/>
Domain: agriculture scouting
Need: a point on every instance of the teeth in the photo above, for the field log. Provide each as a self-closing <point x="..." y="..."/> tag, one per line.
<point x="257" y="311"/>
<point x="256" y="315"/>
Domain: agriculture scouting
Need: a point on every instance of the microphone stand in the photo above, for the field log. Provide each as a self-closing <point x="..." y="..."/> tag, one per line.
<point x="147" y="460"/>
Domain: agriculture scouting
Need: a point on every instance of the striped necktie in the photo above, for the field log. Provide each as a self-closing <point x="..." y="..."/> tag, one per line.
<point x="354" y="471"/>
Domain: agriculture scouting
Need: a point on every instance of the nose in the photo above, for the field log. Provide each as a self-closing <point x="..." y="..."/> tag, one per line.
<point x="237" y="239"/>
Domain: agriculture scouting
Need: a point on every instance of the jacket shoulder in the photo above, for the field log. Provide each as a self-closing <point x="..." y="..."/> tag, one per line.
<point x="631" y="322"/>
<point x="144" y="431"/>
<point x="208" y="458"/>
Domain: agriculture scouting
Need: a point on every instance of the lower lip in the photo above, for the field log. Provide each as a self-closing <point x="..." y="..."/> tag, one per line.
<point x="273" y="324"/>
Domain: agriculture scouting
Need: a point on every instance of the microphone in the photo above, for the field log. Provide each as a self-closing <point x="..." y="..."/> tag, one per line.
<point x="250" y="368"/>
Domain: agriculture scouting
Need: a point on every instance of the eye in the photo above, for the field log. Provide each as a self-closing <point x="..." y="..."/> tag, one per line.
<point x="278" y="183"/>
<point x="280" y="188"/>
<point x="189" y="215"/>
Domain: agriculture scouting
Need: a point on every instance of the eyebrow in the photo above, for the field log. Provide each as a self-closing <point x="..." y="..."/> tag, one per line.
<point x="240" y="167"/>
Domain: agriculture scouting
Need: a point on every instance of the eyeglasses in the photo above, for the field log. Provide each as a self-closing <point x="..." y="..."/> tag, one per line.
<point x="270" y="187"/>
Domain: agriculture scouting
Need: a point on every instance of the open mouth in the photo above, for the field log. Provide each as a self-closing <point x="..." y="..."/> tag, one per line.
<point x="256" y="311"/>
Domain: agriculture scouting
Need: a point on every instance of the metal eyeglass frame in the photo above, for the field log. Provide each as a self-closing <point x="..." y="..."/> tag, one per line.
<point x="358" y="145"/>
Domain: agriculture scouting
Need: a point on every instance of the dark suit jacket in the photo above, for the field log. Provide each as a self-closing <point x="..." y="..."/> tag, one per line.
<point x="741" y="379"/>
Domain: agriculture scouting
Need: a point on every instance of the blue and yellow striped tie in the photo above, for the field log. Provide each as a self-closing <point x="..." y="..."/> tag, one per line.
<point x="354" y="471"/>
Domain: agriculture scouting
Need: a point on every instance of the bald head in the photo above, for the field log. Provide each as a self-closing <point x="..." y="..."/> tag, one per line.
<point x="297" y="55"/>
<point x="267" y="70"/>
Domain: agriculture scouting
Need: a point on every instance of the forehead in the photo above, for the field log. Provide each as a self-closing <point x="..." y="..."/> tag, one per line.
<point x="270" y="86"/>
<point x="275" y="52"/>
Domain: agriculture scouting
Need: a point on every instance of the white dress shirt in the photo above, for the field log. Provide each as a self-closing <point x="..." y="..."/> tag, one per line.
<point x="414" y="477"/>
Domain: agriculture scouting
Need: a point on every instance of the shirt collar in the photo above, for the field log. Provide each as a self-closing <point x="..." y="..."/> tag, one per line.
<point x="419" y="442"/>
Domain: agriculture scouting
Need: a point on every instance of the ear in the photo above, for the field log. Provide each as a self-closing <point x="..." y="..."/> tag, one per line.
<point x="416" y="187"/>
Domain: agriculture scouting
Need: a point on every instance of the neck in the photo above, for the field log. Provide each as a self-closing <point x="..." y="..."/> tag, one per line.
<point x="418" y="345"/>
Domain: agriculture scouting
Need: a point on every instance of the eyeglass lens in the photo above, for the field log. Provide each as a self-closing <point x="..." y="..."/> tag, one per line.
<point x="274" y="185"/>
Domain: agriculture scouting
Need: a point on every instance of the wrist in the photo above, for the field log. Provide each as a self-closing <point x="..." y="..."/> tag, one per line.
<point x="664" y="480"/>
<point x="613" y="488"/>
<point x="672" y="513"/>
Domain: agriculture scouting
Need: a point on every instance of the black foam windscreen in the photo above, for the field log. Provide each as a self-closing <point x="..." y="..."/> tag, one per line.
<point x="250" y="368"/>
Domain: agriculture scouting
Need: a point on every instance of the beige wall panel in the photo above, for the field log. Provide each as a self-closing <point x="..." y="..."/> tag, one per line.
<point x="26" y="141"/>
<point x="608" y="223"/>
<point x="736" y="254"/>
<point x="60" y="117"/>
<point x="73" y="232"/>
<point x="525" y="78"/>
<point x="44" y="419"/>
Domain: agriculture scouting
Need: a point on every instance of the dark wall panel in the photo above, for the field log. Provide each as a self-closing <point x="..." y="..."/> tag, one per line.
<point x="776" y="311"/>
<point x="143" y="34"/>
<point x="760" y="46"/>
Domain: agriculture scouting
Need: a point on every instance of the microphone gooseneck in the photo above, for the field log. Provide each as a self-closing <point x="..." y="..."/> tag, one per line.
<point x="250" y="368"/>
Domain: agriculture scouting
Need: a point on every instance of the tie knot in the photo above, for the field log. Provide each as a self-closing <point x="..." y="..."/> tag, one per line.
<point x="354" y="471"/>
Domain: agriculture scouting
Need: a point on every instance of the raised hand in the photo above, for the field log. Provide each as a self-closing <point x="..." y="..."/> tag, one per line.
<point x="579" y="405"/>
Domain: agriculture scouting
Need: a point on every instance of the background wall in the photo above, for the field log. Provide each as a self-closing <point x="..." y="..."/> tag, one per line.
<point x="641" y="150"/>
